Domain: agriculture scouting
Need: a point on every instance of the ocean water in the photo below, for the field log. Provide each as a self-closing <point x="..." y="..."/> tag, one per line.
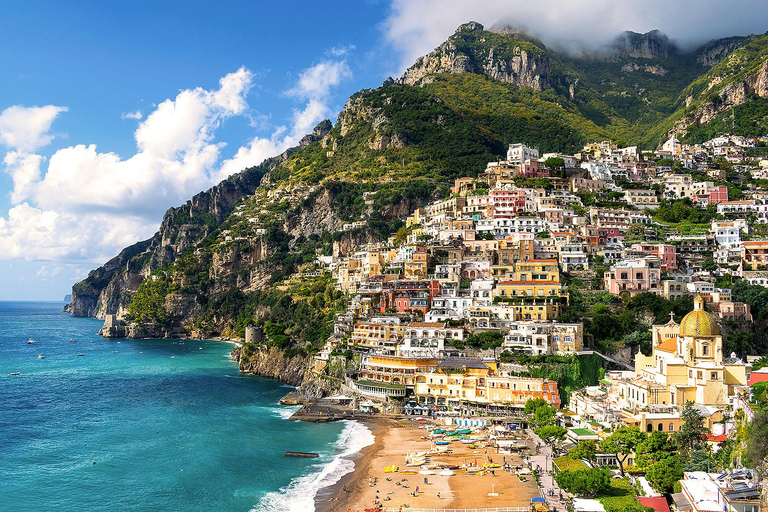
<point x="148" y="425"/>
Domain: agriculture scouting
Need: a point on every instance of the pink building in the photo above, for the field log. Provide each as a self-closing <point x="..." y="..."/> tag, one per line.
<point x="667" y="253"/>
<point x="634" y="276"/>
<point x="507" y="201"/>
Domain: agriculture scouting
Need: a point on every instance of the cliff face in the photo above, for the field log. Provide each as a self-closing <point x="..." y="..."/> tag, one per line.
<point x="273" y="363"/>
<point x="734" y="93"/>
<point x="651" y="45"/>
<point x="474" y="50"/>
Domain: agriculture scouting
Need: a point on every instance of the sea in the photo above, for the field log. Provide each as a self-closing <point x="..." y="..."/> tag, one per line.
<point x="166" y="425"/>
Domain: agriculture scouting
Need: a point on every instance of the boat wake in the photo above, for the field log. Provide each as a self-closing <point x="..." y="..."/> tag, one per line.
<point x="299" y="495"/>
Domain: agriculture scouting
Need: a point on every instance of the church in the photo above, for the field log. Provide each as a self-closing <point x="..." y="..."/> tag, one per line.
<point x="687" y="364"/>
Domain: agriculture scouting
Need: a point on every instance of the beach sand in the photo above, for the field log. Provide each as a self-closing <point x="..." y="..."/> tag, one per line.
<point x="393" y="441"/>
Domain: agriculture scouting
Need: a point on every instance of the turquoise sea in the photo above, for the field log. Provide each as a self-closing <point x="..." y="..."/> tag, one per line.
<point x="148" y="425"/>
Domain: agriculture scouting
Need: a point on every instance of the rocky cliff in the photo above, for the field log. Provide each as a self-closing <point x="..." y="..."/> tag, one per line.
<point x="735" y="80"/>
<point x="472" y="49"/>
<point x="108" y="289"/>
<point x="276" y="364"/>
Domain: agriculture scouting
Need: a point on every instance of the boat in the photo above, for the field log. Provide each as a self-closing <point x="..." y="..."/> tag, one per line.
<point x="446" y="472"/>
<point x="30" y="341"/>
<point x="391" y="469"/>
<point x="308" y="455"/>
<point x="464" y="431"/>
<point x="427" y="472"/>
<point x="14" y="373"/>
<point x="41" y="356"/>
<point x="442" y="443"/>
<point x="408" y="472"/>
<point x="80" y="355"/>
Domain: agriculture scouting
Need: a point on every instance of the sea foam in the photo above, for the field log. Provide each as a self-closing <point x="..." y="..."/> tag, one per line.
<point x="299" y="495"/>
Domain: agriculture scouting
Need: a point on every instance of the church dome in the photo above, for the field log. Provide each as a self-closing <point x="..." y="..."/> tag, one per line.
<point x="698" y="322"/>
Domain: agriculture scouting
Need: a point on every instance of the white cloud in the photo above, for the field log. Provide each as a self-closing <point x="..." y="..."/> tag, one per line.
<point x="135" y="115"/>
<point x="340" y="51"/>
<point x="415" y="27"/>
<point x="86" y="205"/>
<point x="26" y="128"/>
<point x="315" y="83"/>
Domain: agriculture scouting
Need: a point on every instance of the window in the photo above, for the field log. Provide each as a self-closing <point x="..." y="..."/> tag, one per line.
<point x="704" y="349"/>
<point x="671" y="427"/>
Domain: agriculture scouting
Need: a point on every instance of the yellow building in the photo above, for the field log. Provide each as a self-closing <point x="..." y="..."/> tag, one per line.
<point x="378" y="335"/>
<point x="462" y="381"/>
<point x="391" y="376"/>
<point x="537" y="270"/>
<point x="689" y="365"/>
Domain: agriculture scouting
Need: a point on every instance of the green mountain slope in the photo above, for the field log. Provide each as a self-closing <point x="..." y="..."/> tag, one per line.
<point x="226" y="257"/>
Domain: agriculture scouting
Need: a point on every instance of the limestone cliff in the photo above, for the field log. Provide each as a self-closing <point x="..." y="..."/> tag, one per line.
<point x="472" y="49"/>
<point x="108" y="289"/>
<point x="276" y="364"/>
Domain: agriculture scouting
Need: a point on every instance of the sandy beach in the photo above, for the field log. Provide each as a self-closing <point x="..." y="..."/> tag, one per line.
<point x="394" y="440"/>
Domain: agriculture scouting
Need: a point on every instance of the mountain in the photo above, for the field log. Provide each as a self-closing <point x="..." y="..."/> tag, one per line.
<point x="225" y="258"/>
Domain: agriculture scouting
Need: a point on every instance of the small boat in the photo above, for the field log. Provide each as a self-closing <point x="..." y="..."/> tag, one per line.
<point x="30" y="341"/>
<point x="391" y="469"/>
<point x="80" y="355"/>
<point x="427" y="472"/>
<point x="308" y="455"/>
<point x="441" y="443"/>
<point x="41" y="356"/>
<point x="14" y="373"/>
<point x="408" y="472"/>
<point x="446" y="472"/>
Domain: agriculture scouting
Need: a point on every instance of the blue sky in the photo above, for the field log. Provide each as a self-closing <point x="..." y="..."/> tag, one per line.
<point x="111" y="112"/>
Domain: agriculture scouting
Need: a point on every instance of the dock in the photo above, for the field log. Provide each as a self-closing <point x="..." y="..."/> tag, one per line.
<point x="294" y="398"/>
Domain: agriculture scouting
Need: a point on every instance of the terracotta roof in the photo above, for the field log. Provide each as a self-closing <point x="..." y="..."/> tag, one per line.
<point x="658" y="504"/>
<point x="426" y="324"/>
<point x="669" y="345"/>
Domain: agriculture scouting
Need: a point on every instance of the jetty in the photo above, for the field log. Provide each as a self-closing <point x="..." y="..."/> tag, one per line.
<point x="294" y="398"/>
<point x="325" y="410"/>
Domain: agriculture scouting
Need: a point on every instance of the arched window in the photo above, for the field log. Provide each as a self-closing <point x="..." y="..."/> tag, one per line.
<point x="649" y="427"/>
<point x="661" y="427"/>
<point x="671" y="427"/>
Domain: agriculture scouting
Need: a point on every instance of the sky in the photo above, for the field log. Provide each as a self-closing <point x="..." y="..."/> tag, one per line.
<point x="112" y="112"/>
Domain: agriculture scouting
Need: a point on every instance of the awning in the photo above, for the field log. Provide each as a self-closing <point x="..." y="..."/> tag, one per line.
<point x="681" y="502"/>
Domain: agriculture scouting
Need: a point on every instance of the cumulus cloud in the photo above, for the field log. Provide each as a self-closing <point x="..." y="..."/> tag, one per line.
<point x="415" y="27"/>
<point x="314" y="88"/>
<point x="135" y="115"/>
<point x="85" y="205"/>
<point x="27" y="128"/>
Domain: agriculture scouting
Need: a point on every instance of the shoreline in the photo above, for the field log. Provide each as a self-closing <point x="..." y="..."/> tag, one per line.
<point x="393" y="441"/>
<point x="333" y="496"/>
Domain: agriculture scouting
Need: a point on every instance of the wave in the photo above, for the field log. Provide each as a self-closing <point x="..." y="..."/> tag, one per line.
<point x="299" y="495"/>
<point x="285" y="411"/>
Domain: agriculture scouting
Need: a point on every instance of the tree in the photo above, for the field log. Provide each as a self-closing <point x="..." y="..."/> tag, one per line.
<point x="656" y="447"/>
<point x="534" y="403"/>
<point x="584" y="482"/>
<point x="664" y="474"/>
<point x="622" y="443"/>
<point x="757" y="442"/>
<point x="700" y="460"/>
<point x="584" y="450"/>
<point x="541" y="413"/>
<point x="693" y="434"/>
<point x="549" y="433"/>
<point x="709" y="264"/>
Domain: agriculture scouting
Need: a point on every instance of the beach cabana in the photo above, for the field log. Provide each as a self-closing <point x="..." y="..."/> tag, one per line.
<point x="341" y="399"/>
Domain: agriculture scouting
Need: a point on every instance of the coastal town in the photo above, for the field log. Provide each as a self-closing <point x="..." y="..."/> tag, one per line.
<point x="463" y="316"/>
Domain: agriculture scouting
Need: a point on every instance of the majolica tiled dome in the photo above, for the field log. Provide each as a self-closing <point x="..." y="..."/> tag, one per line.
<point x="698" y="322"/>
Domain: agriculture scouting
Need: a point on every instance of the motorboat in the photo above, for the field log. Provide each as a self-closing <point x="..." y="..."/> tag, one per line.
<point x="14" y="373"/>
<point x="41" y="356"/>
